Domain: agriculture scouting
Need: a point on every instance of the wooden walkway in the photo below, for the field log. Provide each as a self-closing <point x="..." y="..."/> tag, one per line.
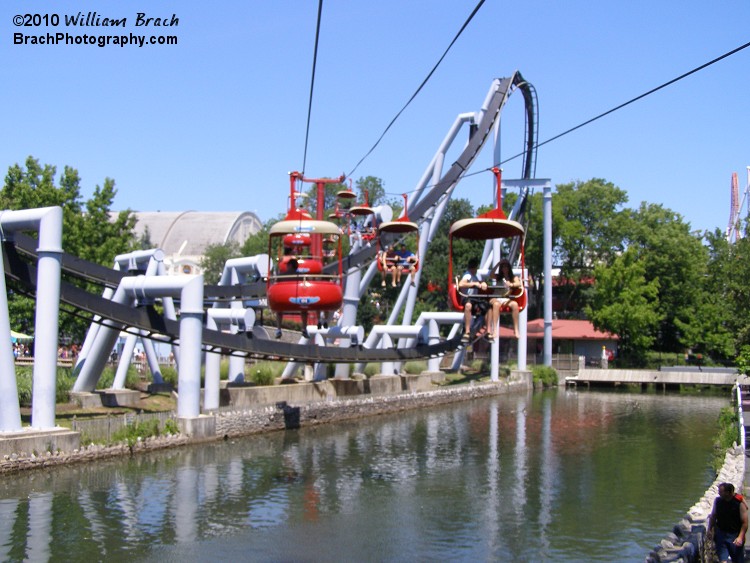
<point x="667" y="378"/>
<point x="27" y="361"/>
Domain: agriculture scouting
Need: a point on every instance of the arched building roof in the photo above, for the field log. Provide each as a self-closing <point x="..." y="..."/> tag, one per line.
<point x="189" y="233"/>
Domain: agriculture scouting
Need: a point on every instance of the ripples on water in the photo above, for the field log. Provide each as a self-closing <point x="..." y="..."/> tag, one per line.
<point x="556" y="476"/>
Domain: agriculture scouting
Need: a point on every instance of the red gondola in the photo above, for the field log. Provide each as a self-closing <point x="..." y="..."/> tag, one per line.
<point x="301" y="239"/>
<point x="488" y="226"/>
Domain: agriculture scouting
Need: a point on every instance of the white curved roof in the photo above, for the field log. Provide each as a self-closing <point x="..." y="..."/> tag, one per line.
<point x="190" y="232"/>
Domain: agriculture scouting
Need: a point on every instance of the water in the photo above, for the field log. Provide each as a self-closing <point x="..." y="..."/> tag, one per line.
<point x="554" y="476"/>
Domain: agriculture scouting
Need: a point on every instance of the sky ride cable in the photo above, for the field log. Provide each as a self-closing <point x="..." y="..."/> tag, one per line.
<point x="424" y="82"/>
<point x="652" y="91"/>
<point x="312" y="84"/>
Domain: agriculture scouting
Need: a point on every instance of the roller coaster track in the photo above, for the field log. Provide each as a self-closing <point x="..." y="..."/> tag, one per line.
<point x="497" y="100"/>
<point x="18" y="252"/>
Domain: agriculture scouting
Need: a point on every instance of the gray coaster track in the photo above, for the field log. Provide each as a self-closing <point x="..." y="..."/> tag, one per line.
<point x="146" y="319"/>
<point x="428" y="200"/>
<point x="422" y="208"/>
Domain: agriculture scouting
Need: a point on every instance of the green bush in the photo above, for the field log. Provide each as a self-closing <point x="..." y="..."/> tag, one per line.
<point x="64" y="383"/>
<point x="264" y="373"/>
<point x="372" y="369"/>
<point x="108" y="378"/>
<point x="478" y="364"/>
<point x="23" y="382"/>
<point x="545" y="375"/>
<point x="415" y="367"/>
<point x="145" y="429"/>
<point x="729" y="433"/>
<point x="169" y="375"/>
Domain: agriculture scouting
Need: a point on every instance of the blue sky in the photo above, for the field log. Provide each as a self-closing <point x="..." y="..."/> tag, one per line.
<point x="216" y="122"/>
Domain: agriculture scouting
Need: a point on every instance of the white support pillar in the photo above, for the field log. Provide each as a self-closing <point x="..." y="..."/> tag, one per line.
<point x="240" y="318"/>
<point x="547" y="249"/>
<point x="48" y="222"/>
<point x="10" y="411"/>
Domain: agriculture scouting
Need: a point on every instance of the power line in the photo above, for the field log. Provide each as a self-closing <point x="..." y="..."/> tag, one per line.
<point x="414" y="95"/>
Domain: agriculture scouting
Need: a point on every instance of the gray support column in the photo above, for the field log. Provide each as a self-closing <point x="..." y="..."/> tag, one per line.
<point x="10" y="412"/>
<point x="495" y="360"/>
<point x="48" y="222"/>
<point x="547" y="249"/>
<point x="239" y="318"/>
<point x="349" y="309"/>
<point x="126" y="357"/>
<point x="46" y="322"/>
<point x="523" y="318"/>
<point x="101" y="347"/>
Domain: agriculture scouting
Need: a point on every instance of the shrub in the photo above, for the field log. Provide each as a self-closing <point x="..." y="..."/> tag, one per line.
<point x="107" y="378"/>
<point x="415" y="367"/>
<point x="145" y="429"/>
<point x="64" y="383"/>
<point x="23" y="382"/>
<point x="545" y="375"/>
<point x="729" y="433"/>
<point x="169" y="375"/>
<point x="372" y="369"/>
<point x="478" y="364"/>
<point x="263" y="373"/>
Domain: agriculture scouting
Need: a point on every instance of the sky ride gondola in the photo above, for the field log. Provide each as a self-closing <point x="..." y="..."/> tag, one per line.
<point x="488" y="226"/>
<point x="400" y="228"/>
<point x="308" y="245"/>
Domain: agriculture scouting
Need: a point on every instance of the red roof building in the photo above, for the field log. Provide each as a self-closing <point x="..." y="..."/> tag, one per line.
<point x="577" y="337"/>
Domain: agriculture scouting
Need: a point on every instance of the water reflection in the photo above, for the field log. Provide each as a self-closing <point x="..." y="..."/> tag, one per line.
<point x="563" y="476"/>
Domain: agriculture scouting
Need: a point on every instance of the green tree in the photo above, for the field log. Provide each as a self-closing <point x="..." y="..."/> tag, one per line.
<point x="90" y="230"/>
<point x="623" y="304"/>
<point x="435" y="266"/>
<point x="715" y="328"/>
<point x="257" y="243"/>
<point x="588" y="229"/>
<point x="214" y="258"/>
<point x="589" y="225"/>
<point x="676" y="257"/>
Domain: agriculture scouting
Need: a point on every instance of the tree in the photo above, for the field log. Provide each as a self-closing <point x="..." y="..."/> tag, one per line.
<point x="676" y="257"/>
<point x="214" y="258"/>
<point x="589" y="225"/>
<point x="623" y="304"/>
<point x="588" y="229"/>
<point x="435" y="265"/>
<point x="257" y="243"/>
<point x="89" y="230"/>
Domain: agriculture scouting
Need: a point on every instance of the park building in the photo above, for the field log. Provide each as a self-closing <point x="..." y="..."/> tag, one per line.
<point x="183" y="236"/>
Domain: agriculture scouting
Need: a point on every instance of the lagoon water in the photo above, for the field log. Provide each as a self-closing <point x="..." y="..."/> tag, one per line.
<point x="559" y="475"/>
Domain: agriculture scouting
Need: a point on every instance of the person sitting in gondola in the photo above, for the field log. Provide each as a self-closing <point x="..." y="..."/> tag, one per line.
<point x="407" y="261"/>
<point x="291" y="270"/>
<point x="470" y="285"/>
<point x="389" y="261"/>
<point x="503" y="274"/>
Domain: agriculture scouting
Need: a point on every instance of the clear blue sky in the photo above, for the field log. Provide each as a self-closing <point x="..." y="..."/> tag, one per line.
<point x="216" y="122"/>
